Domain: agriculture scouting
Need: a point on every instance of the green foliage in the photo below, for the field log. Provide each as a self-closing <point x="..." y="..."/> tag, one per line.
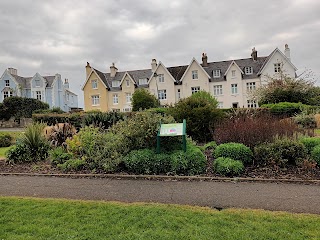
<point x="56" y="110"/>
<point x="315" y="154"/>
<point x="200" y="113"/>
<point x="5" y="140"/>
<point x="282" y="152"/>
<point x="60" y="133"/>
<point x="236" y="151"/>
<point x="305" y="120"/>
<point x="74" y="119"/>
<point x="284" y="108"/>
<point x="310" y="143"/>
<point x="19" y="107"/>
<point x="227" y="166"/>
<point x="102" y="119"/>
<point x="210" y="146"/>
<point x="18" y="154"/>
<point x="59" y="156"/>
<point x="159" y="110"/>
<point x="72" y="165"/>
<point x="143" y="99"/>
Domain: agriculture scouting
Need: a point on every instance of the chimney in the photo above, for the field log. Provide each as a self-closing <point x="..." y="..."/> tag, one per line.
<point x="66" y="83"/>
<point x="254" y="54"/>
<point x="204" y="60"/>
<point x="113" y="70"/>
<point x="154" y="64"/>
<point x="287" y="51"/>
<point x="88" y="69"/>
<point x="13" y="71"/>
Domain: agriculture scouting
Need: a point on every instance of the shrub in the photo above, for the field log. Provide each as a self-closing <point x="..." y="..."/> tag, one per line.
<point x="72" y="165"/>
<point x="46" y="111"/>
<point x="227" y="166"/>
<point x="236" y="151"/>
<point x="60" y="133"/>
<point x="5" y="140"/>
<point x="75" y="119"/>
<point x="201" y="114"/>
<point x="142" y="99"/>
<point x="18" y="154"/>
<point x="210" y="146"/>
<point x="310" y="143"/>
<point x="103" y="120"/>
<point x="305" y="120"/>
<point x="282" y="152"/>
<point x="59" y="156"/>
<point x="288" y="109"/>
<point x="315" y="154"/>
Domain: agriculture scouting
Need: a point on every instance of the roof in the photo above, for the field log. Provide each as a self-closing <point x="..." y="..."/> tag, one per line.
<point x="25" y="82"/>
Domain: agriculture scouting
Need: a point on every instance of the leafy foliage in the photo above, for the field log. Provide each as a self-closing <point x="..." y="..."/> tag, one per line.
<point x="56" y="110"/>
<point x="59" y="156"/>
<point x="60" y="133"/>
<point x="103" y="120"/>
<point x="5" y="140"/>
<point x="142" y="99"/>
<point x="72" y="165"/>
<point x="284" y="108"/>
<point x="236" y="151"/>
<point x="305" y="120"/>
<point x="315" y="154"/>
<point x="310" y="143"/>
<point x="227" y="166"/>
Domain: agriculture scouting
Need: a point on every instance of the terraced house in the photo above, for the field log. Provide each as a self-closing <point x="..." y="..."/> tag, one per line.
<point x="48" y="89"/>
<point x="229" y="81"/>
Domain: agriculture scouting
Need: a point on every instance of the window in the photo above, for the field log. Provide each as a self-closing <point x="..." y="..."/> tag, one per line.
<point x="216" y="73"/>
<point x="7" y="83"/>
<point x="143" y="81"/>
<point x="179" y="93"/>
<point x="233" y="73"/>
<point x="95" y="99"/>
<point x="94" y="84"/>
<point x="251" y="86"/>
<point x="217" y="90"/>
<point x="128" y="109"/>
<point x="37" y="81"/>
<point x="251" y="104"/>
<point x="195" y="74"/>
<point x="162" y="94"/>
<point x="38" y="95"/>
<point x="234" y="88"/>
<point x="115" y="84"/>
<point x="7" y="94"/>
<point x="161" y="78"/>
<point x="248" y="70"/>
<point x="128" y="83"/>
<point x="115" y="98"/>
<point x="128" y="97"/>
<point x="220" y="104"/>
<point x="277" y="67"/>
<point x="195" y="89"/>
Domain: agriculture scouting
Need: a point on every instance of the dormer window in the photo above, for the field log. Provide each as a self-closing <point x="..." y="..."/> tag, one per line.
<point x="248" y="70"/>
<point x="115" y="83"/>
<point x="37" y="81"/>
<point x="143" y="81"/>
<point x="7" y="82"/>
<point x="216" y="73"/>
<point x="195" y="74"/>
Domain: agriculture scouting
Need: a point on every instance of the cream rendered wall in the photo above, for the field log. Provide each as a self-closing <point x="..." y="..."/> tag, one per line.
<point x="188" y="82"/>
<point x="88" y="91"/>
<point x="125" y="89"/>
<point x="115" y="106"/>
<point x="167" y="85"/>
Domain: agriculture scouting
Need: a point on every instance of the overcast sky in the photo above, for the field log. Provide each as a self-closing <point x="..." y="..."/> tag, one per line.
<point x="61" y="36"/>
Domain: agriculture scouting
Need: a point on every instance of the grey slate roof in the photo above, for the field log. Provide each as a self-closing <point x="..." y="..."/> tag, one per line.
<point x="25" y="82"/>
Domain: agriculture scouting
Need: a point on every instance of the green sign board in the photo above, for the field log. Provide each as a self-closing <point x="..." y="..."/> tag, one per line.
<point x="173" y="129"/>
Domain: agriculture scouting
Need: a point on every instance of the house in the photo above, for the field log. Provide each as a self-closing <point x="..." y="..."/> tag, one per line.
<point x="49" y="89"/>
<point x="230" y="82"/>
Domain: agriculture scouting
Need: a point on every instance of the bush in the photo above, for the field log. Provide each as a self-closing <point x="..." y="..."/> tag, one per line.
<point x="18" y="154"/>
<point x="59" y="133"/>
<point x="142" y="99"/>
<point x="288" y="109"/>
<point x="5" y="140"/>
<point x="75" y="119"/>
<point x="310" y="143"/>
<point x="103" y="120"/>
<point x="59" y="156"/>
<point x="282" y="152"/>
<point x="210" y="146"/>
<point x="236" y="151"/>
<point x="315" y="154"/>
<point x="56" y="110"/>
<point x="72" y="165"/>
<point x="305" y="120"/>
<point x="227" y="166"/>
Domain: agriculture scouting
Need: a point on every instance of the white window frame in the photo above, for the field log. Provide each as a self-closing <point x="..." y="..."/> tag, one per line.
<point x="94" y="84"/>
<point x="220" y="104"/>
<point x="162" y="94"/>
<point x="252" y="103"/>
<point x="127" y="109"/>
<point x="234" y="88"/>
<point x="39" y="95"/>
<point x="195" y="74"/>
<point x="115" y="99"/>
<point x="233" y="73"/>
<point x="143" y="81"/>
<point x="95" y="100"/>
<point x="7" y="83"/>
<point x="179" y="93"/>
<point x="251" y="86"/>
<point x="128" y="97"/>
<point x="37" y="82"/>
<point x="217" y="90"/>
<point x="7" y="94"/>
<point x="216" y="73"/>
<point x="115" y="83"/>
<point x="128" y="83"/>
<point x="195" y="90"/>
<point x="161" y="78"/>
<point x="248" y="70"/>
<point x="277" y="67"/>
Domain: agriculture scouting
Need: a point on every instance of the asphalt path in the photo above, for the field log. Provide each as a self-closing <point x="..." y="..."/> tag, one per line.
<point x="289" y="197"/>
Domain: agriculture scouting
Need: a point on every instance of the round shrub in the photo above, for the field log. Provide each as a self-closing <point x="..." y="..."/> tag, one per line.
<point x="237" y="151"/>
<point x="5" y="140"/>
<point x="315" y="154"/>
<point x="310" y="143"/>
<point x="228" y="166"/>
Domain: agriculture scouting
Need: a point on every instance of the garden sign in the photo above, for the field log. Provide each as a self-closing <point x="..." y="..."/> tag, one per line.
<point x="172" y="129"/>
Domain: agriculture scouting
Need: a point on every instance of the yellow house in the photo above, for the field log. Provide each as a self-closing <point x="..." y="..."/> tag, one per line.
<point x="230" y="82"/>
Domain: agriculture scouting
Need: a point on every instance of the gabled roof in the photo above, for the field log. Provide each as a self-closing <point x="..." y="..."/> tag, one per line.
<point x="124" y="76"/>
<point x="192" y="61"/>
<point x="233" y="63"/>
<point x="160" y="63"/>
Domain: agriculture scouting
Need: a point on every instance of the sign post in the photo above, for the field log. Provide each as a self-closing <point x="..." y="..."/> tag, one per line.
<point x="172" y="129"/>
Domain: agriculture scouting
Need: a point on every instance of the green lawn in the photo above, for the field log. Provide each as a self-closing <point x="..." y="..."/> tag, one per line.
<point x="2" y="151"/>
<point x="27" y="218"/>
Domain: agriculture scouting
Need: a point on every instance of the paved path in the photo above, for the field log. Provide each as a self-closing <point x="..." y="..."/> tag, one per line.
<point x="270" y="196"/>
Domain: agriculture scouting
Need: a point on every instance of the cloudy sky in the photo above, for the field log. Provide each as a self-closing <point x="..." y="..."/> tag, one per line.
<point x="61" y="36"/>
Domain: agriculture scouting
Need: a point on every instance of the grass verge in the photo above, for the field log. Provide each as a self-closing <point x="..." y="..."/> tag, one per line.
<point x="3" y="151"/>
<point x="27" y="218"/>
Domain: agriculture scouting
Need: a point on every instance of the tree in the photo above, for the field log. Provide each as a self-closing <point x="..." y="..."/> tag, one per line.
<point x="142" y="99"/>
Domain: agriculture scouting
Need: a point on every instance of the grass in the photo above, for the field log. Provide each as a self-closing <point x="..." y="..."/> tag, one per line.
<point x="14" y="134"/>
<point x="3" y="151"/>
<point x="28" y="218"/>
<point x="317" y="132"/>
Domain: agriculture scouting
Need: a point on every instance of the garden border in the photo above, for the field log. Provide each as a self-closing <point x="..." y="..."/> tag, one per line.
<point x="166" y="178"/>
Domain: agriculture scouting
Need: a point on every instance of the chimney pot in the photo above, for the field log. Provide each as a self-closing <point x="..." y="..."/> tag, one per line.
<point x="204" y="60"/>
<point x="254" y="54"/>
<point x="13" y="71"/>
<point x="154" y="64"/>
<point x="287" y="51"/>
<point x="113" y="70"/>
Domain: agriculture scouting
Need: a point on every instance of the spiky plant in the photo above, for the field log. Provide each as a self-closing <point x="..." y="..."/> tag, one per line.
<point x="60" y="133"/>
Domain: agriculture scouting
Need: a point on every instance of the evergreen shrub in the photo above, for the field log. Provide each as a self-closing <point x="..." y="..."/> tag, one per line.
<point x="227" y="166"/>
<point x="236" y="151"/>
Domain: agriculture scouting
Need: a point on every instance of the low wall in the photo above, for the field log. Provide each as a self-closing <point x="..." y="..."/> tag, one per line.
<point x="12" y="123"/>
